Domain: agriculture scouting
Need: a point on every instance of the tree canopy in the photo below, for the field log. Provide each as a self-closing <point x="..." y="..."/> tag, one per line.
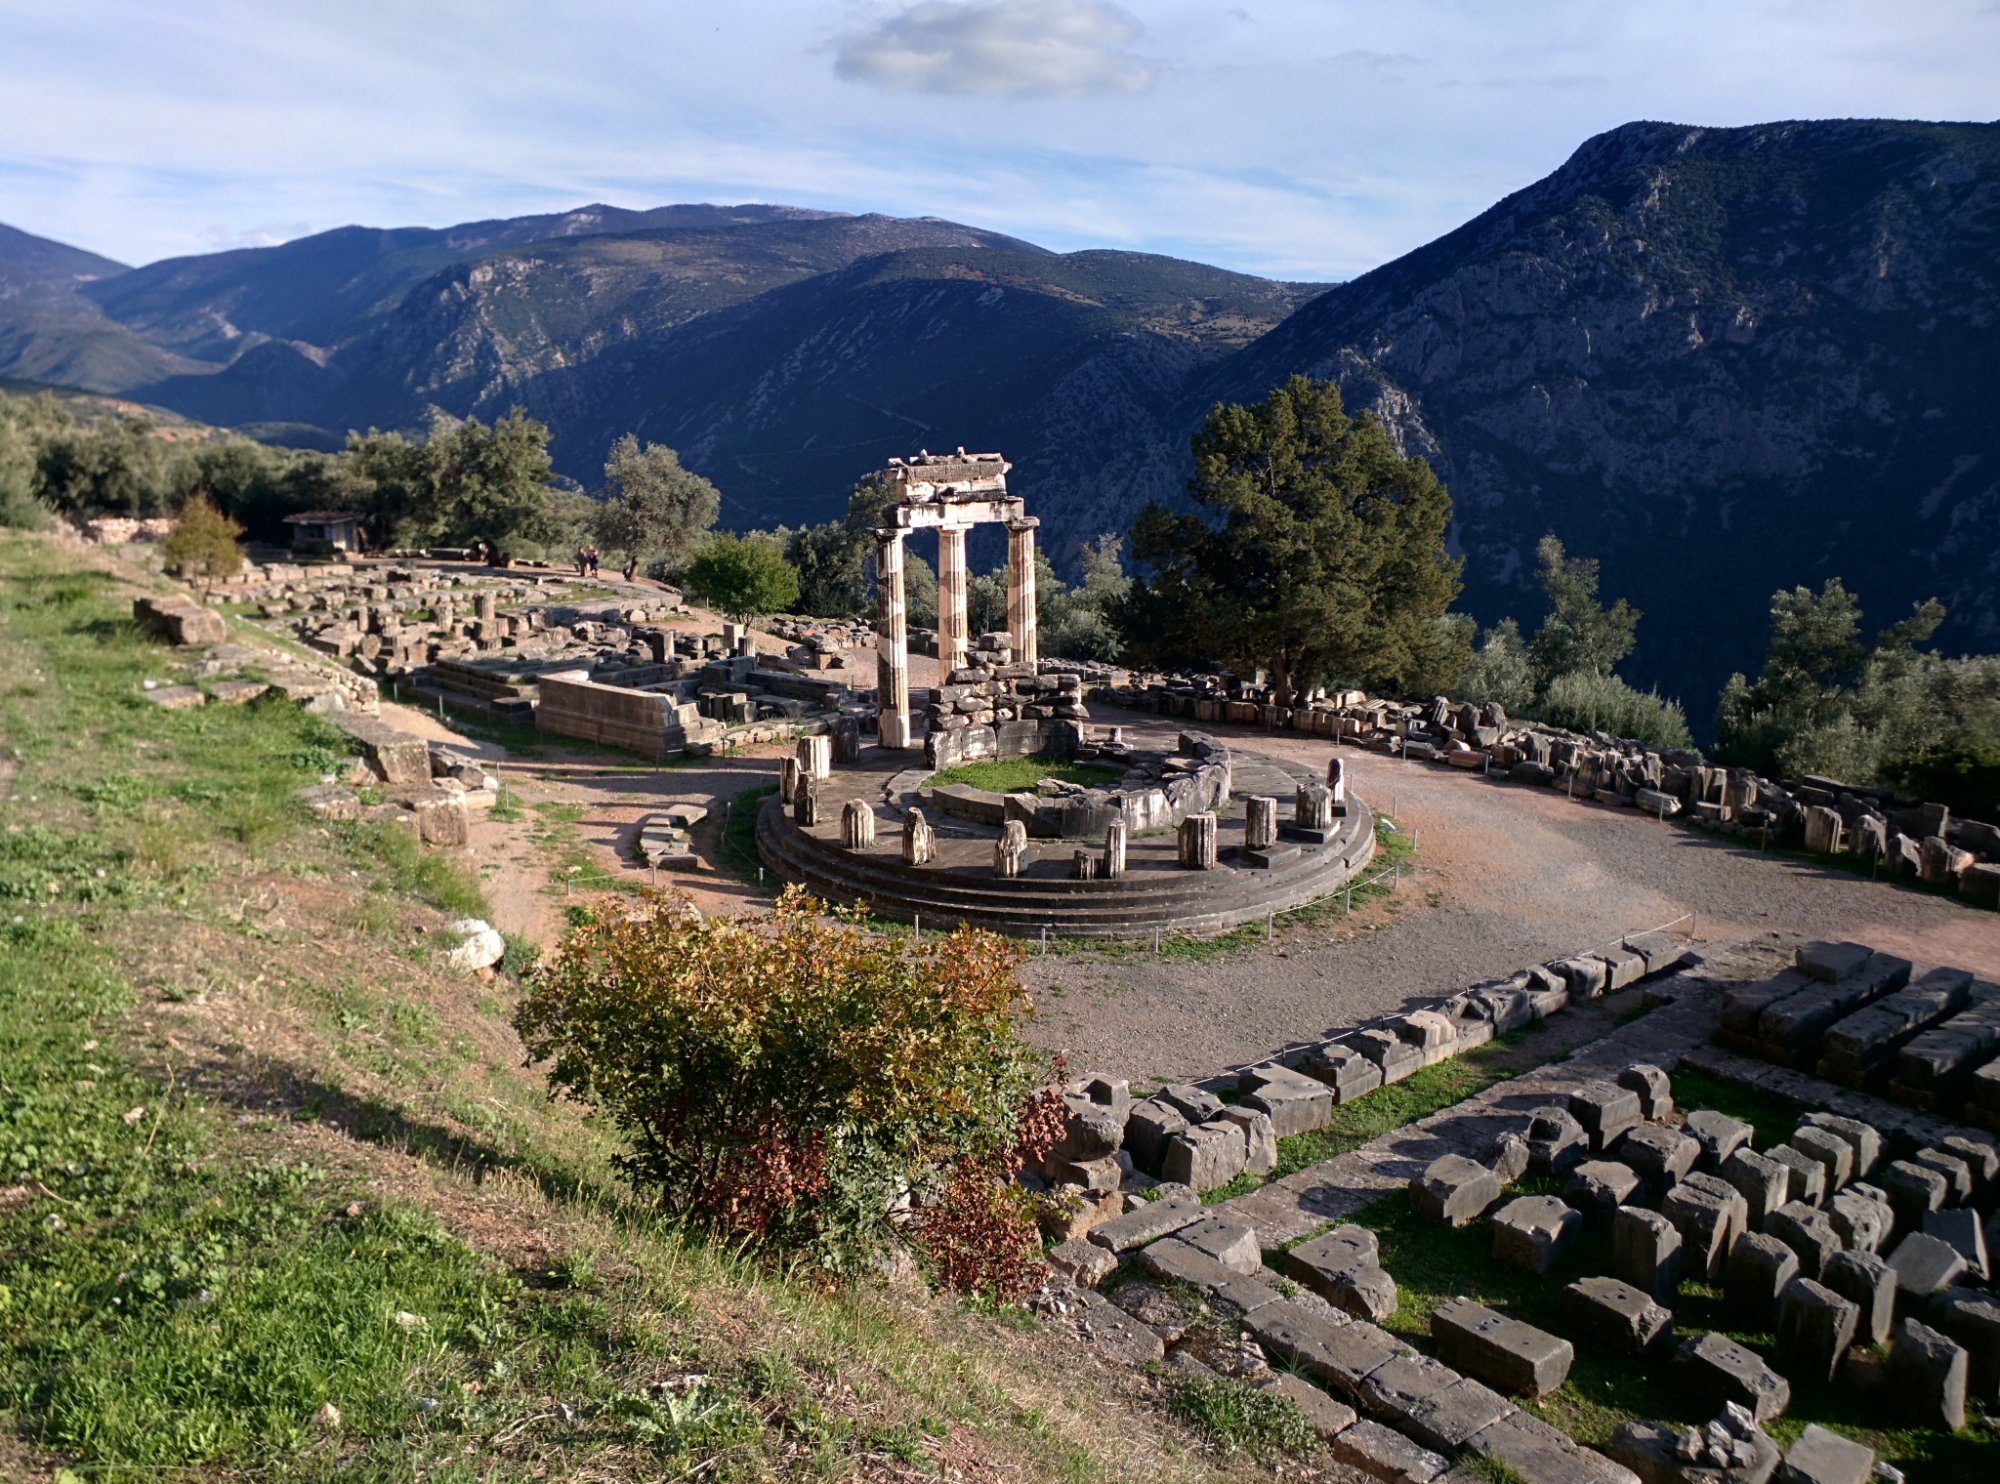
<point x="1580" y="636"/>
<point x="1316" y="550"/>
<point x="743" y="575"/>
<point x="203" y="541"/>
<point x="653" y="510"/>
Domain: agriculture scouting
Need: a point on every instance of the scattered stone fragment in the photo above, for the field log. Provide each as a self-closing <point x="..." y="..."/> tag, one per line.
<point x="1716" y="1367"/>
<point x="1865" y="1141"/>
<point x="1808" y="1232"/>
<point x="1191" y="1102"/>
<point x="1343" y="1069"/>
<point x="1869" y="1283"/>
<point x="1958" y="1228"/>
<point x="1972" y="1319"/>
<point x="1206" y="1156"/>
<point x="1260" y="1140"/>
<point x="1083" y="1262"/>
<point x="1557" y="1143"/>
<point x="1605" y="1110"/>
<point x="1617" y="1314"/>
<point x="1598" y="1187"/>
<point x="1927" y="1377"/>
<point x="1924" y="1264"/>
<point x="1508" y="1157"/>
<point x="1231" y="1242"/>
<point x="1341" y="1355"/>
<point x="1709" y="1214"/>
<point x="1805" y="1178"/>
<point x="1336" y="1251"/>
<point x="1381" y="1453"/>
<point x="1663" y="1157"/>
<point x="1166" y="1313"/>
<point x="1957" y="1173"/>
<point x="1822" y="1456"/>
<point x="1862" y="1222"/>
<point x="1530" y="1449"/>
<point x="1815" y="1327"/>
<point x="1656" y="1092"/>
<point x="1447" y="1420"/>
<point x="1454" y="1190"/>
<point x="1759" y="1268"/>
<point x="1646" y="1252"/>
<point x="1513" y="1356"/>
<point x="1530" y="1232"/>
<point x="1296" y="1103"/>
<point x="1718" y="1136"/>
<point x="1147" y="1223"/>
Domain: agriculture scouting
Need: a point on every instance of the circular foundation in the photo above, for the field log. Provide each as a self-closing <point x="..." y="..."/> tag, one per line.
<point x="1155" y="893"/>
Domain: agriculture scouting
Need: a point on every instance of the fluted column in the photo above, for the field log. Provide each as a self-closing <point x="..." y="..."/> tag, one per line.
<point x="951" y="600"/>
<point x="1021" y="588"/>
<point x="892" y="642"/>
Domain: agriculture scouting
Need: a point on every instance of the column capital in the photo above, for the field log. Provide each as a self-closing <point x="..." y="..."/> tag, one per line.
<point x="1023" y="523"/>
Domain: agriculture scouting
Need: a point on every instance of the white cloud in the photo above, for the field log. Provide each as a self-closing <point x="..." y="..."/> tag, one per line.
<point x="1000" y="48"/>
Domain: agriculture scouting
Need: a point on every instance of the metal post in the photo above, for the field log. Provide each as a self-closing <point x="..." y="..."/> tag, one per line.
<point x="440" y="705"/>
<point x="917" y="926"/>
<point x="1045" y="937"/>
<point x="1270" y="926"/>
<point x="1347" y="910"/>
<point x="1156" y="937"/>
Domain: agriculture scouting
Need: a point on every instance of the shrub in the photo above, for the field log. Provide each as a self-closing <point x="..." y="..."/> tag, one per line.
<point x="794" y="1079"/>
<point x="203" y="541"/>
<point x="743" y="575"/>
<point x="1604" y="703"/>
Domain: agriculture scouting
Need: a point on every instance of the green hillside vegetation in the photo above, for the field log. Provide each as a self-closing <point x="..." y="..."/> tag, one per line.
<point x="279" y="1200"/>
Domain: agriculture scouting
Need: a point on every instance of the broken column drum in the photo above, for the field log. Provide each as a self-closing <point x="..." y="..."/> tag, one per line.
<point x="816" y="755"/>
<point x="1011" y="849"/>
<point x="918" y="843"/>
<point x="1312" y="808"/>
<point x="1114" y="849"/>
<point x="1260" y="822"/>
<point x="857" y="824"/>
<point x="1197" y="842"/>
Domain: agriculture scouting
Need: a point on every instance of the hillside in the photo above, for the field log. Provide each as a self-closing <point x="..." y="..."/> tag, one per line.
<point x="51" y="331"/>
<point x="1720" y="359"/>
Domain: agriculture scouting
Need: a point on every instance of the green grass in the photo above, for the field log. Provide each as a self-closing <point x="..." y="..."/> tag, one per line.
<point x="736" y="838"/>
<point x="1240" y="1418"/>
<point x="1021" y="774"/>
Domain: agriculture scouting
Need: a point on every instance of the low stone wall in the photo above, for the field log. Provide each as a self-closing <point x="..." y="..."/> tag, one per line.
<point x="1922" y="842"/>
<point x="1158" y="790"/>
<point x="645" y="722"/>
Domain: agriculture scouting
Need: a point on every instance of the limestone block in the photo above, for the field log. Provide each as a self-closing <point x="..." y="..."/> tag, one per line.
<point x="1821" y="1456"/>
<point x="1011" y="850"/>
<point x="1831" y="962"/>
<point x="1923" y="1264"/>
<point x="1981" y="1157"/>
<point x="1082" y="1261"/>
<point x="1815" y="1327"/>
<point x="1869" y="1283"/>
<point x="1834" y="1153"/>
<point x="1392" y="1055"/>
<point x="1914" y="1191"/>
<point x="1341" y="1355"/>
<point x="1206" y="1156"/>
<point x="1862" y="1138"/>
<point x="1718" y="1136"/>
<point x="1366" y="1292"/>
<point x="1617" y="1315"/>
<point x="1195" y="1104"/>
<point x="1449" y="1418"/>
<point x="1295" y="1102"/>
<point x="1090" y="1129"/>
<point x="1197" y="846"/>
<point x="1585" y="976"/>
<point x="1531" y="1232"/>
<point x="1598" y="1187"/>
<point x="1326" y="1416"/>
<point x="1719" y="1370"/>
<point x="1381" y="1453"/>
<point x="442" y="819"/>
<point x="1557" y="1143"/>
<point x="1709" y="1214"/>
<point x="1230" y="1241"/>
<point x="1757" y="1271"/>
<point x="1957" y="1173"/>
<point x="1763" y="1183"/>
<point x="1958" y="1228"/>
<point x="1605" y="1110"/>
<point x="1507" y="1156"/>
<point x="1622" y="966"/>
<point x="1260" y="1138"/>
<point x="1927" y="1377"/>
<point x="1148" y="1127"/>
<point x="1805" y="1179"/>
<point x="857" y="821"/>
<point x="1454" y="1190"/>
<point x="1808" y="1232"/>
<point x="1862" y="1222"/>
<point x="1646" y="1252"/>
<point x="1343" y="1069"/>
<point x="1663" y="1157"/>
<point x="1515" y="1357"/>
<point x="1972" y="1319"/>
<point x="1147" y="1223"/>
<point x="1531" y="1449"/>
<point x="1316" y="1263"/>
<point x="1656" y="1092"/>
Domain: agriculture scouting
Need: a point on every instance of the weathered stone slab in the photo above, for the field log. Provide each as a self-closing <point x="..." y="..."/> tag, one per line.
<point x="1927" y="1377"/>
<point x="1231" y="1242"/>
<point x="1869" y="1283"/>
<point x="1759" y="1268"/>
<point x="1395" y="1386"/>
<point x="1295" y="1102"/>
<point x="1260" y="1140"/>
<point x="1102" y="1324"/>
<point x="1382" y="1453"/>
<point x="1807" y="1231"/>
<point x="1081" y="1261"/>
<point x="1167" y="1314"/>
<point x="1605" y="1110"/>
<point x="1709" y="1213"/>
<point x="1557" y="1143"/>
<point x="1531" y="1232"/>
<point x="1327" y="1416"/>
<point x="1914" y="1191"/>
<point x="1831" y="962"/>
<point x="1513" y="1356"/>
<point x="1447" y="1420"/>
<point x="1655" y="1090"/>
<point x="1815" y="1327"/>
<point x="1343" y="1069"/>
<point x="1972" y="1319"/>
<point x="1958" y="1228"/>
<point x="1173" y="1261"/>
<point x="1195" y="1104"/>
<point x="1454" y="1190"/>
<point x="1341" y="1355"/>
<point x="1835" y="1154"/>
<point x="1206" y="1156"/>
<point x="1617" y="1315"/>
<point x="1536" y="1453"/>
<point x="1824" y="1457"/>
<point x="1646" y="1252"/>
<point x="1861" y="1221"/>
<point x="1598" y="1187"/>
<point x="1719" y="1136"/>
<point x="1719" y="1370"/>
<point x="1663" y="1157"/>
<point x="1340" y="1250"/>
<point x="1923" y="1265"/>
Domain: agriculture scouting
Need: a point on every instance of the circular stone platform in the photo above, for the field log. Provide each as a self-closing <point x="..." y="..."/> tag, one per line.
<point x="1154" y="893"/>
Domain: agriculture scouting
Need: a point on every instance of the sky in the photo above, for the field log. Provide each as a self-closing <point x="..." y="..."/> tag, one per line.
<point x="1304" y="139"/>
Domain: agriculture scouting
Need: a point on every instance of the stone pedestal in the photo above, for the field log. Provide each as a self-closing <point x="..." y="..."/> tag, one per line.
<point x="1021" y="589"/>
<point x="892" y="642"/>
<point x="806" y="802"/>
<point x="1114" y="849"/>
<point x="1011" y="851"/>
<point x="1260" y="822"/>
<point x="789" y="773"/>
<point x="1312" y="808"/>
<point x="918" y="843"/>
<point x="857" y="824"/>
<point x="1197" y="842"/>
<point x="951" y="629"/>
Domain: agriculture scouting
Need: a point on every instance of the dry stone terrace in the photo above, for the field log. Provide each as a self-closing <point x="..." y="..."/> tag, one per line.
<point x="1868" y="1269"/>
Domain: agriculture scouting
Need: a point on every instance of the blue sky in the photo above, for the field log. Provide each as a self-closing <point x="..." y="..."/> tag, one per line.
<point x="1300" y="138"/>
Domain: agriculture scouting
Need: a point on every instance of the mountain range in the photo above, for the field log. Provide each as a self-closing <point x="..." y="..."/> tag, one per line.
<point x="1720" y="360"/>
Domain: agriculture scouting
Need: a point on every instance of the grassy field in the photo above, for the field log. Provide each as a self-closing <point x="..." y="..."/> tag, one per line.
<point x="1021" y="774"/>
<point x="1431" y="1263"/>
<point x="278" y="1199"/>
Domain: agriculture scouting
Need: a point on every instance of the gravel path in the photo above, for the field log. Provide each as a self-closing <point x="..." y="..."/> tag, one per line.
<point x="1508" y="875"/>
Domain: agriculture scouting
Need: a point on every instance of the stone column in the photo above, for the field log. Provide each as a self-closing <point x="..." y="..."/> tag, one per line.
<point x="815" y="755"/>
<point x="1083" y="866"/>
<point x="1114" y="849"/>
<point x="806" y="801"/>
<point x="918" y="843"/>
<point x="788" y="779"/>
<point x="892" y="642"/>
<point x="1197" y="842"/>
<point x="951" y="600"/>
<point x="1021" y="589"/>
<point x="857" y="824"/>
<point x="1260" y="822"/>
<point x="1336" y="782"/>
<point x="1312" y="807"/>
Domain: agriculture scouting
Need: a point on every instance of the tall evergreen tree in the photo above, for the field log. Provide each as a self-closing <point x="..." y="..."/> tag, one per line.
<point x="1316" y="550"/>
<point x="654" y="510"/>
<point x="1580" y="636"/>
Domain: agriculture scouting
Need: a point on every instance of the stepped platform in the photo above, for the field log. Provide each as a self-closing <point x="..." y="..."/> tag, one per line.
<point x="959" y="885"/>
